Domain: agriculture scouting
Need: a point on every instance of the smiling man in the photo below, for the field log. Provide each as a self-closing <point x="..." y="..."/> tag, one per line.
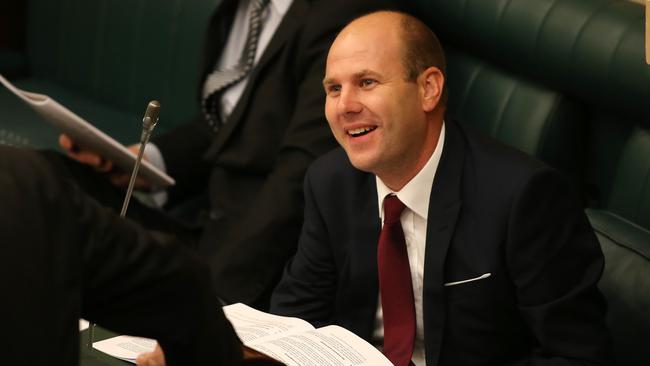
<point x="439" y="245"/>
<point x="374" y="117"/>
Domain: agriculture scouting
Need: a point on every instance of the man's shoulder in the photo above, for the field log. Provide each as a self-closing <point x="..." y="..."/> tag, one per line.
<point x="490" y="153"/>
<point x="333" y="171"/>
<point x="498" y="167"/>
<point x="334" y="163"/>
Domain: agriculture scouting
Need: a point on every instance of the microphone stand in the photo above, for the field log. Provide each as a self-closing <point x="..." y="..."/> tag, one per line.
<point x="148" y="123"/>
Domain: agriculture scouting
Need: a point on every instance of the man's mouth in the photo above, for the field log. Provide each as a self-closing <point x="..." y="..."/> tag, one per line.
<point x="356" y="132"/>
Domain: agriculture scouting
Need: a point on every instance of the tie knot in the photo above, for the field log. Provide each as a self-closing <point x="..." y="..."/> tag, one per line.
<point x="393" y="208"/>
<point x="259" y="4"/>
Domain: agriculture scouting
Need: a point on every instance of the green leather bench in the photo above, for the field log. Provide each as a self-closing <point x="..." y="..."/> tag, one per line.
<point x="105" y="60"/>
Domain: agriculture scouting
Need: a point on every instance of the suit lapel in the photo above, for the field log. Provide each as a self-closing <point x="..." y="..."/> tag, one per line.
<point x="217" y="35"/>
<point x="444" y="207"/>
<point x="288" y="27"/>
<point x="366" y="232"/>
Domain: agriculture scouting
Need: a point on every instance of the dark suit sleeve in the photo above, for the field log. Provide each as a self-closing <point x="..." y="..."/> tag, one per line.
<point x="70" y="257"/>
<point x="555" y="263"/>
<point x="307" y="289"/>
<point x="139" y="282"/>
<point x="182" y="149"/>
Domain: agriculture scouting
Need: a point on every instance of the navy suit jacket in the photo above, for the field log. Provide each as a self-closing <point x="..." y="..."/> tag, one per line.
<point x="492" y="210"/>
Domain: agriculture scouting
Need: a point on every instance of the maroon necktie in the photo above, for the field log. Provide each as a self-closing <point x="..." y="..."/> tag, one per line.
<point x="395" y="286"/>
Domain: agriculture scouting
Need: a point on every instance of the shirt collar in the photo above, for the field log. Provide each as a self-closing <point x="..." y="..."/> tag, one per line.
<point x="411" y="194"/>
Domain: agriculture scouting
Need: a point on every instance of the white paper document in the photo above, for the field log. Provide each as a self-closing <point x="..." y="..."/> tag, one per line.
<point x="252" y="325"/>
<point x="125" y="348"/>
<point x="327" y="346"/>
<point x="291" y="341"/>
<point x="87" y="135"/>
<point x="295" y="342"/>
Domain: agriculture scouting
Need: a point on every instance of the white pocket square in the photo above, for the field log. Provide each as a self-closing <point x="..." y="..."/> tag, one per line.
<point x="483" y="276"/>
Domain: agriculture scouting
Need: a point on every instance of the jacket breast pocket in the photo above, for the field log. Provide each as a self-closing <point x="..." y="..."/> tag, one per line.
<point x="472" y="286"/>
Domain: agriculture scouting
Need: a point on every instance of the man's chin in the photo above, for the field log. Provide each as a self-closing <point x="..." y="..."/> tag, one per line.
<point x="362" y="162"/>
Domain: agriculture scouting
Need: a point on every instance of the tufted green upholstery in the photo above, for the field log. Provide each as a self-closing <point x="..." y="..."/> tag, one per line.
<point x="589" y="49"/>
<point x="630" y="195"/>
<point x="106" y="59"/>
<point x="519" y="112"/>
<point x="619" y="167"/>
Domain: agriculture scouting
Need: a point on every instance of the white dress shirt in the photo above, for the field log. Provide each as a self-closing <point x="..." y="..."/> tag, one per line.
<point x="415" y="196"/>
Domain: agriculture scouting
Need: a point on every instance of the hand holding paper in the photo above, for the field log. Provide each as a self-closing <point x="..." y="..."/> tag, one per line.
<point x="100" y="164"/>
<point x="86" y="135"/>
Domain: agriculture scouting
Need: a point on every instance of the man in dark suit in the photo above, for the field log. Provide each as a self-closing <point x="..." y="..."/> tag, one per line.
<point x="484" y="258"/>
<point x="62" y="262"/>
<point x="248" y="174"/>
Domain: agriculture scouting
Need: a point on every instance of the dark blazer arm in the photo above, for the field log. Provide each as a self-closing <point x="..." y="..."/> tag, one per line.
<point x="72" y="257"/>
<point x="182" y="149"/>
<point x="307" y="289"/>
<point x="137" y="283"/>
<point x="555" y="262"/>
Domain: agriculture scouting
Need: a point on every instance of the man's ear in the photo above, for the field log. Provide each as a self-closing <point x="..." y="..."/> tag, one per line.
<point x="431" y="82"/>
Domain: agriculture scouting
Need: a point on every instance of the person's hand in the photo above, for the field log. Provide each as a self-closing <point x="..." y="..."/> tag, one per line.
<point x="118" y="177"/>
<point x="85" y="156"/>
<point x="155" y="358"/>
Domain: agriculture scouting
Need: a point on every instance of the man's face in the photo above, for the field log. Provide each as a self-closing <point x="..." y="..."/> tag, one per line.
<point x="374" y="113"/>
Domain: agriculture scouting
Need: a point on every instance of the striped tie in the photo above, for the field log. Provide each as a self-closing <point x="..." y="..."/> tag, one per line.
<point x="219" y="80"/>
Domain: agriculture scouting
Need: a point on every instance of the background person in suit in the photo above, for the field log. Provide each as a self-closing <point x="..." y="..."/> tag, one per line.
<point x="485" y="256"/>
<point x="247" y="164"/>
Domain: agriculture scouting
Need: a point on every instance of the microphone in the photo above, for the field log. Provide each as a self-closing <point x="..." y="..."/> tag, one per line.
<point x="149" y="121"/>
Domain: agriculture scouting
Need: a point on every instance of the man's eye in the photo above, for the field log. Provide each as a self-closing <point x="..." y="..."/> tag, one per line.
<point x="334" y="89"/>
<point x="368" y="82"/>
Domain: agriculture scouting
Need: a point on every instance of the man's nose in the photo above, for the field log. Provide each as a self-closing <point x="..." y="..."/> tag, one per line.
<point x="349" y="103"/>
